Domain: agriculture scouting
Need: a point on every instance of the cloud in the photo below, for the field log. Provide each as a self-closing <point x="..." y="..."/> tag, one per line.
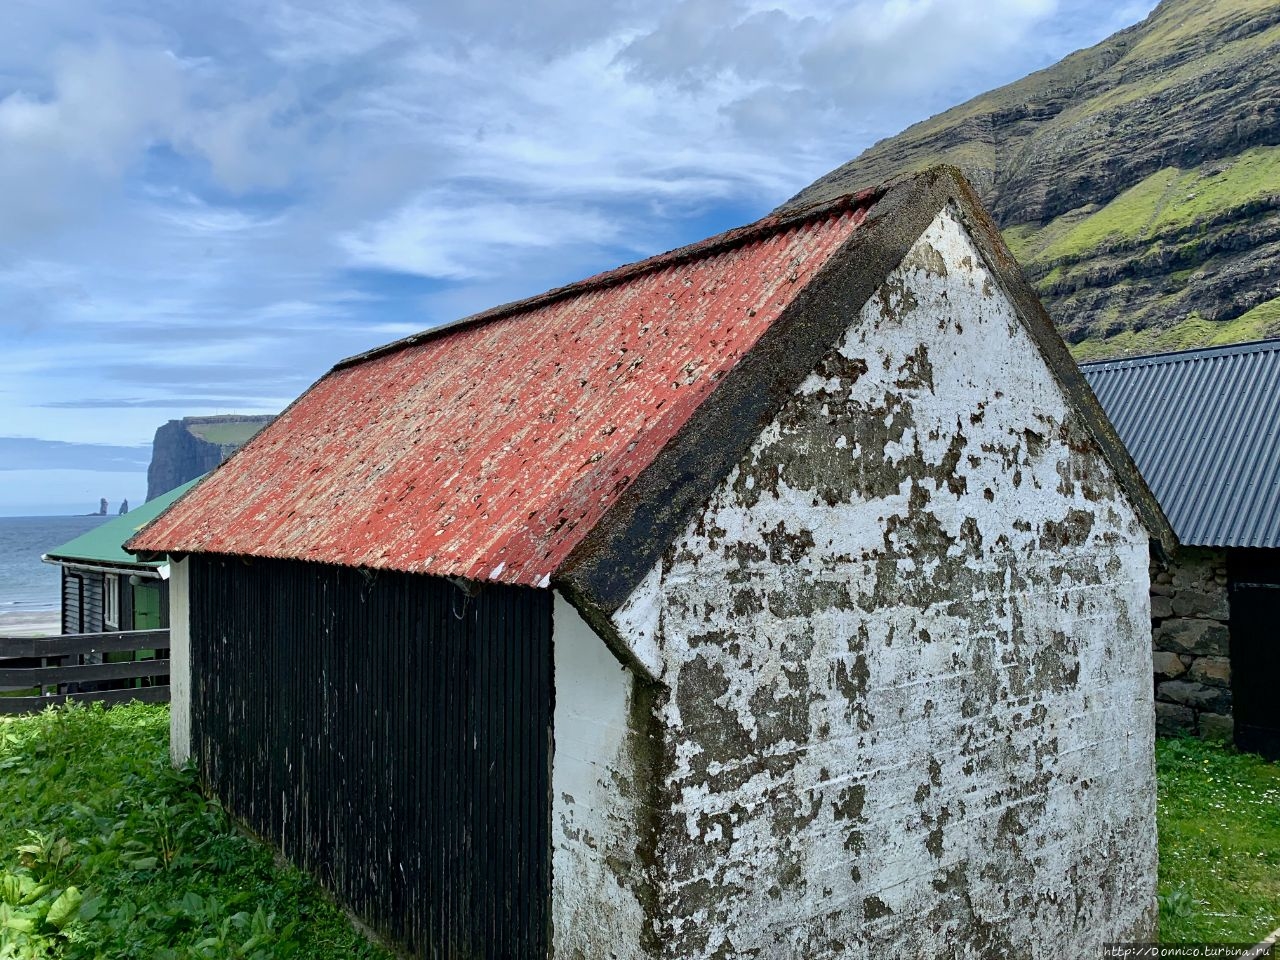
<point x="188" y="214"/>
<point x="310" y="33"/>
<point x="696" y="41"/>
<point x="797" y="73"/>
<point x="438" y="235"/>
<point x="28" y="453"/>
<point x="106" y="103"/>
<point x="226" y="404"/>
<point x="208" y="205"/>
<point x="888" y="52"/>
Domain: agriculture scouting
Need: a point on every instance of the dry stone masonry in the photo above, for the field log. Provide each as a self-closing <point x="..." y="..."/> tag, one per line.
<point x="1191" y="650"/>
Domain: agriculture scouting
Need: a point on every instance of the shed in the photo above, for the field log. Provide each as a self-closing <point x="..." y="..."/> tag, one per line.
<point x="104" y="587"/>
<point x="785" y="595"/>
<point x="1204" y="428"/>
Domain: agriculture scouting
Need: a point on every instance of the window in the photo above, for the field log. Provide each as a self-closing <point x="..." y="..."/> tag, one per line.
<point x="111" y="602"/>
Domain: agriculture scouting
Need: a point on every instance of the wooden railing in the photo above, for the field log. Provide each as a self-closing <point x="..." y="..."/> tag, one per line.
<point x="74" y="667"/>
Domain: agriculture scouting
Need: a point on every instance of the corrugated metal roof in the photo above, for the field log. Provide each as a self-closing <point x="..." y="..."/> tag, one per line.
<point x="1203" y="427"/>
<point x="489" y="449"/>
<point x="104" y="544"/>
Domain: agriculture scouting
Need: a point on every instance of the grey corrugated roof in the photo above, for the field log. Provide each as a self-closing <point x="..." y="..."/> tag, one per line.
<point x="1203" y="426"/>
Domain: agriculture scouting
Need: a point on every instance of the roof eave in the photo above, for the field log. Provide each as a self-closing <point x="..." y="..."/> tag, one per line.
<point x="141" y="567"/>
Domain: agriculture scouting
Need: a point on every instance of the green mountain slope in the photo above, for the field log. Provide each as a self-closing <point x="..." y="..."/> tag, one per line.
<point x="1138" y="181"/>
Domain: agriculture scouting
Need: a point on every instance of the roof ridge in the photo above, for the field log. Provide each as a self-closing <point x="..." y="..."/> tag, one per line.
<point x="767" y="226"/>
<point x="1266" y="345"/>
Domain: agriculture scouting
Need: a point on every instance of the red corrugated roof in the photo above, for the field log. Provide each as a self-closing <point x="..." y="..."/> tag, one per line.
<point x="489" y="449"/>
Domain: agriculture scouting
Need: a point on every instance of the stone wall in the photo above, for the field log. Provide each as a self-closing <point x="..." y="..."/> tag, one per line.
<point x="1189" y="611"/>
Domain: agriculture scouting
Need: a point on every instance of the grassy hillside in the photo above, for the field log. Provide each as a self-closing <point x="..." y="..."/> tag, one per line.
<point x="232" y="431"/>
<point x="1165" y="206"/>
<point x="1138" y="181"/>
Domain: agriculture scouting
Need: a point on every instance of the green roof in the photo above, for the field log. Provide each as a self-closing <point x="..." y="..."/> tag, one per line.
<point x="104" y="544"/>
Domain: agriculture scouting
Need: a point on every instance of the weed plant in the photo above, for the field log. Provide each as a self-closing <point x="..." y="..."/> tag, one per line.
<point x="108" y="852"/>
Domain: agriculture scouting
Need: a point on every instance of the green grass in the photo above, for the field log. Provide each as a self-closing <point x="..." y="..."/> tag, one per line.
<point x="1219" y="816"/>
<point x="1261" y="322"/>
<point x="1187" y="23"/>
<point x="225" y="433"/>
<point x="1182" y="44"/>
<point x="1152" y="60"/>
<point x="1265" y="317"/>
<point x="107" y="852"/>
<point x="1169" y="202"/>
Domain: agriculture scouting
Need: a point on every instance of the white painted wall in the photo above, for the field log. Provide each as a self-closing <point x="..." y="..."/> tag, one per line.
<point x="179" y="662"/>
<point x="918" y="720"/>
<point x="595" y="915"/>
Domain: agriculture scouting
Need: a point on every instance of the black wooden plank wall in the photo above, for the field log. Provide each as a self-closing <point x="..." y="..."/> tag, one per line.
<point x="81" y="601"/>
<point x="72" y="584"/>
<point x="391" y="735"/>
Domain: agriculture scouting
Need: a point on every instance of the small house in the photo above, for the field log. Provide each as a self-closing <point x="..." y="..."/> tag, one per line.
<point x="785" y="595"/>
<point x="104" y="587"/>
<point x="1201" y="426"/>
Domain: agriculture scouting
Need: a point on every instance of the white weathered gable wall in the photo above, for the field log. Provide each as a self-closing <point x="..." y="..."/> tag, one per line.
<point x="908" y="659"/>
<point x="597" y="882"/>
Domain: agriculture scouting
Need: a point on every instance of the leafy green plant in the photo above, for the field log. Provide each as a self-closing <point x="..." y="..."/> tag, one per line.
<point x="107" y="852"/>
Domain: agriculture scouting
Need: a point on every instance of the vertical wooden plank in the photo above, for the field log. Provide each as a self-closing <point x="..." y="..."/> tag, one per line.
<point x="391" y="735"/>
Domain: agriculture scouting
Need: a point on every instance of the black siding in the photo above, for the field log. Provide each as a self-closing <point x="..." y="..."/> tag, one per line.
<point x="389" y="734"/>
<point x="1254" y="577"/>
<point x="81" y="602"/>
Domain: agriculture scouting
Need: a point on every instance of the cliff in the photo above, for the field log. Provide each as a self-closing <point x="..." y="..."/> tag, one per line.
<point x="1138" y="181"/>
<point x="184" y="449"/>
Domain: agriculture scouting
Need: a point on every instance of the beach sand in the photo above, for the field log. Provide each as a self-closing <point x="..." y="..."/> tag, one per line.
<point x="35" y="623"/>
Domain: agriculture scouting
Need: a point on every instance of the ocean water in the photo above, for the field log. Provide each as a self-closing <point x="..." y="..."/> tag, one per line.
<point x="27" y="584"/>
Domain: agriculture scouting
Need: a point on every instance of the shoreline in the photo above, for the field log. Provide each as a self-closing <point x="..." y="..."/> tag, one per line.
<point x="30" y="623"/>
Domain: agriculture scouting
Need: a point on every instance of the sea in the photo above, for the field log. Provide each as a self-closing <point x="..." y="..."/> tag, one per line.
<point x="26" y="584"/>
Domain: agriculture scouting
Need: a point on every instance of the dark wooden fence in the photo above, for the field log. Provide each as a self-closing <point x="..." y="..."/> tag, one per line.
<point x="81" y="667"/>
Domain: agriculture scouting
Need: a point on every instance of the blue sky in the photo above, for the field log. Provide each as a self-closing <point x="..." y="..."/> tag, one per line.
<point x="208" y="204"/>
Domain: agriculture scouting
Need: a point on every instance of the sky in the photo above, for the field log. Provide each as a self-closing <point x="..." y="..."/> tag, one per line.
<point x="206" y="205"/>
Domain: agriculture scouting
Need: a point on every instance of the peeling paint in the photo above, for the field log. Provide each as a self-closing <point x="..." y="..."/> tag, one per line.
<point x="907" y="649"/>
<point x="490" y="449"/>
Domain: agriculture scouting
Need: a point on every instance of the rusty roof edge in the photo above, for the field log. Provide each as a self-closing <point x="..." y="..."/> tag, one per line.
<point x="623" y="546"/>
<point x="729" y="240"/>
<point x="990" y="243"/>
<point x="145" y="553"/>
<point x="137" y="543"/>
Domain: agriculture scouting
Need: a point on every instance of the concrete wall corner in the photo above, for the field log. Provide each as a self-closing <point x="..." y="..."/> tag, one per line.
<point x="179" y="662"/>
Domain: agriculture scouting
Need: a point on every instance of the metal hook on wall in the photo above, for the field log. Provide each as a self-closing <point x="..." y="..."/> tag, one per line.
<point x="468" y="589"/>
